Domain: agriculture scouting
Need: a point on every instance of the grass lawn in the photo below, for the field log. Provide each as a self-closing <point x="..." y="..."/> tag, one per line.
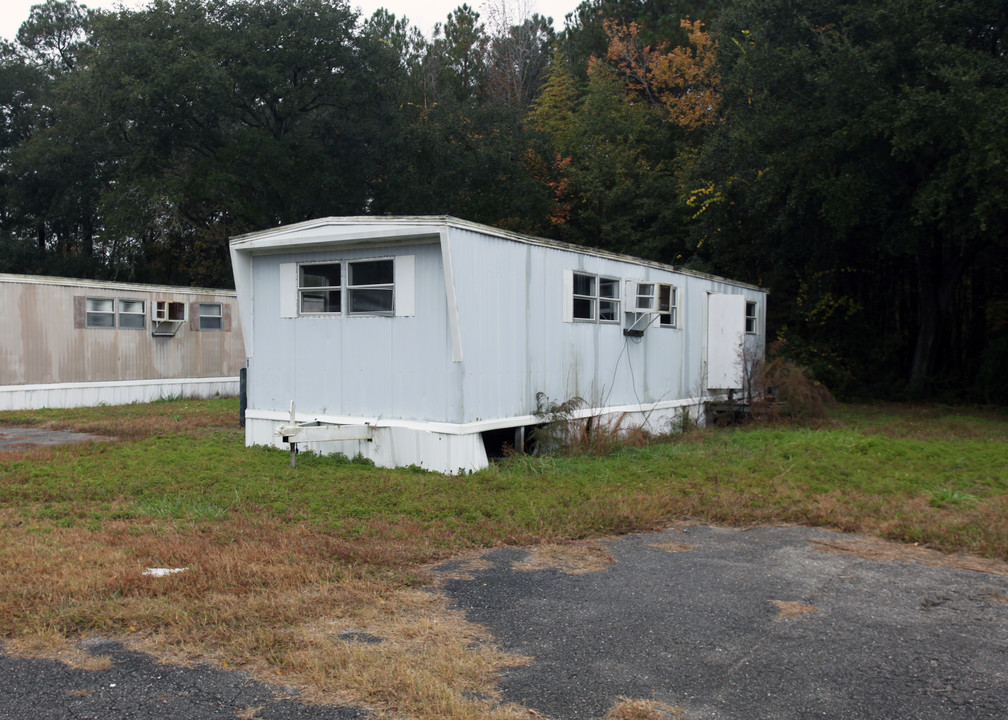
<point x="285" y="567"/>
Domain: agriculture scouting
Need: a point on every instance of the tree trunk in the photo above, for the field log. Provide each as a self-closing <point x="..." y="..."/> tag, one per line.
<point x="938" y="277"/>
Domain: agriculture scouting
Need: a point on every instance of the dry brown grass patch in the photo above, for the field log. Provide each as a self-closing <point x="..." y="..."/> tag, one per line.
<point x="880" y="550"/>
<point x="425" y="660"/>
<point x="793" y="608"/>
<point x="290" y="603"/>
<point x="632" y="709"/>
<point x="569" y="559"/>
<point x="673" y="547"/>
<point x="463" y="566"/>
<point x="57" y="647"/>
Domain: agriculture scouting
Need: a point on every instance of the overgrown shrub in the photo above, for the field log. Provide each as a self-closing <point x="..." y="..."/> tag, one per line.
<point x="565" y="427"/>
<point x="780" y="386"/>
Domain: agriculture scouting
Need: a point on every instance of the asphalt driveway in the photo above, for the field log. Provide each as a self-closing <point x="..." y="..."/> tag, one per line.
<point x="782" y="622"/>
<point x="766" y="623"/>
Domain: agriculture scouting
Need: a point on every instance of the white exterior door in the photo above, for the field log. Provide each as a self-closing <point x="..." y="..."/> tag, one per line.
<point x="725" y="334"/>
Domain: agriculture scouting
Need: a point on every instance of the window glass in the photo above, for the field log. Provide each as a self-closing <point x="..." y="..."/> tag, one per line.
<point x="372" y="272"/>
<point x="668" y="301"/>
<point x="321" y="288"/>
<point x="609" y="299"/>
<point x="584" y="285"/>
<point x="370" y="287"/>
<point x="750" y="317"/>
<point x="100" y="313"/>
<point x="131" y="314"/>
<point x="584" y="297"/>
<point x="327" y="275"/>
<point x="645" y="296"/>
<point x="210" y="316"/>
<point x="595" y="298"/>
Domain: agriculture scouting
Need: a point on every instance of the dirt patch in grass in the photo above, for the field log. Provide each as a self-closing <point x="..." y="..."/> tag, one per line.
<point x="673" y="547"/>
<point x="632" y="709"/>
<point x="58" y="647"/>
<point x="880" y="550"/>
<point x="574" y="559"/>
<point x="793" y="608"/>
<point x="462" y="566"/>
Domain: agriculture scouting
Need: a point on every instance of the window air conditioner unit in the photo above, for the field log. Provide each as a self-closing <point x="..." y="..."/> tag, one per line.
<point x="641" y="303"/>
<point x="167" y="317"/>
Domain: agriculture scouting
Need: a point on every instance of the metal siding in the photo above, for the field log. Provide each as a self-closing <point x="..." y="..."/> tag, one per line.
<point x="365" y="366"/>
<point x="516" y="343"/>
<point x="42" y="345"/>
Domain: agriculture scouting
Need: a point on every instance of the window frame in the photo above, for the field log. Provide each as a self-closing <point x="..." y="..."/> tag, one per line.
<point x="672" y="313"/>
<point x="209" y="317"/>
<point x="352" y="287"/>
<point x="347" y="289"/>
<point x="302" y="288"/>
<point x="89" y="313"/>
<point x="605" y="308"/>
<point x="135" y="316"/>
<point x="751" y="319"/>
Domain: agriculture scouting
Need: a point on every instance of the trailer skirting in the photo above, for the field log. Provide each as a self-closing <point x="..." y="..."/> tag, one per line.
<point x="451" y="448"/>
<point x="120" y="392"/>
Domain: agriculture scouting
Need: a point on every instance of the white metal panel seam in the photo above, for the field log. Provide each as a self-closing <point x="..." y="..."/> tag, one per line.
<point x="453" y="314"/>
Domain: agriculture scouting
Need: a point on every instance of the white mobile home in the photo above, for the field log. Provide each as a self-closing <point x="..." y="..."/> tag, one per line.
<point x="66" y="342"/>
<point x="412" y="337"/>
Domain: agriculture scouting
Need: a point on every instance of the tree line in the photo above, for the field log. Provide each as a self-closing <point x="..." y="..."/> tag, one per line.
<point x="851" y="156"/>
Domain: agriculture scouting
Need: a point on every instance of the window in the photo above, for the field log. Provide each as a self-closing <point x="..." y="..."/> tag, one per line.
<point x="750" y="317"/>
<point x="210" y="316"/>
<point x="668" y="306"/>
<point x="132" y="314"/>
<point x="608" y="299"/>
<point x="100" y="313"/>
<point x="584" y="297"/>
<point x="644" y="297"/>
<point x="370" y="287"/>
<point x="320" y="288"/>
<point x="595" y="298"/>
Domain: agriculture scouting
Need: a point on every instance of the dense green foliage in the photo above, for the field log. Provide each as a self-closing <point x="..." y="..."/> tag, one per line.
<point x="850" y="156"/>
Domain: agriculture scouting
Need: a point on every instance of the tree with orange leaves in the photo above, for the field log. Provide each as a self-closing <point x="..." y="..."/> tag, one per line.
<point x="683" y="80"/>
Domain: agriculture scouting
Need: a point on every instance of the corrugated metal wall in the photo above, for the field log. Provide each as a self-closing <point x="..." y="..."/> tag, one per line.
<point x="513" y="337"/>
<point x="39" y="343"/>
<point x="370" y="366"/>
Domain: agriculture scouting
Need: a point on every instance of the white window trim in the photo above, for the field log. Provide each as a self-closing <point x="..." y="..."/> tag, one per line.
<point x="754" y="317"/>
<point x="402" y="287"/>
<point x="674" y="301"/>
<point x="378" y="286"/>
<point x="219" y="317"/>
<point x="88" y="313"/>
<point x="596" y="299"/>
<point x="299" y="288"/>
<point x="142" y="314"/>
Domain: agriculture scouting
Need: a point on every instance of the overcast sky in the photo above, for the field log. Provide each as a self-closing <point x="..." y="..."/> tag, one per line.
<point x="422" y="13"/>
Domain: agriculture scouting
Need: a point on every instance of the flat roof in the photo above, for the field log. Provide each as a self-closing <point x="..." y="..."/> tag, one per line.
<point x="110" y="285"/>
<point x="379" y="228"/>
